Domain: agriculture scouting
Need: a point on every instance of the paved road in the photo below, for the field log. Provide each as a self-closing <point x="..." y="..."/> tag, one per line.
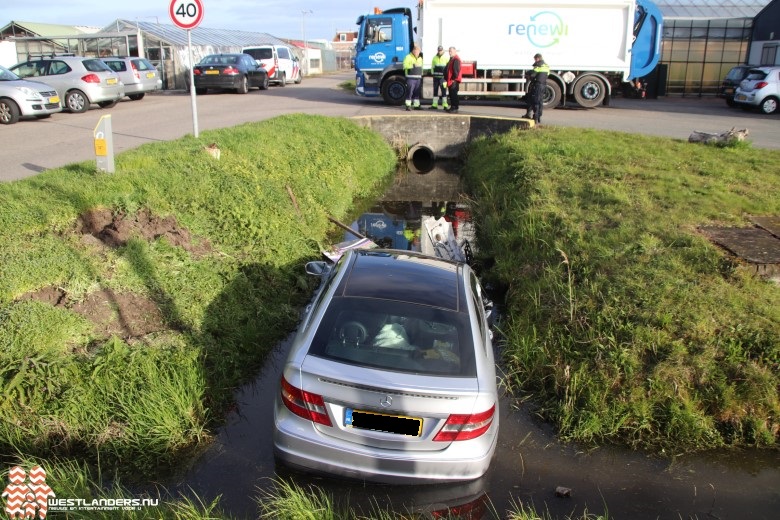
<point x="31" y="146"/>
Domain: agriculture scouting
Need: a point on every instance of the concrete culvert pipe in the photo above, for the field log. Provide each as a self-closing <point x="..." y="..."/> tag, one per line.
<point x="421" y="158"/>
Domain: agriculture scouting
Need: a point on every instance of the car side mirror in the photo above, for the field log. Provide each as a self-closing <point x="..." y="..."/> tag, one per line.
<point x="318" y="268"/>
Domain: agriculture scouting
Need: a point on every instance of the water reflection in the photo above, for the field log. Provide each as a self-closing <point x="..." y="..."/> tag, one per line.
<point x="529" y="463"/>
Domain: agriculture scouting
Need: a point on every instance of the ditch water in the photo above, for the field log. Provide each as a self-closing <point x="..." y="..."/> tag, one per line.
<point x="530" y="467"/>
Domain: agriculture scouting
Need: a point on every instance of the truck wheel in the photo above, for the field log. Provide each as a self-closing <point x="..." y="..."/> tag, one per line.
<point x="589" y="91"/>
<point x="552" y="95"/>
<point x="394" y="90"/>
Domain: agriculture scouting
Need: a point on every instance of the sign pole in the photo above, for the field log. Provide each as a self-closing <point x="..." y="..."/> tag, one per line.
<point x="187" y="15"/>
<point x="192" y="86"/>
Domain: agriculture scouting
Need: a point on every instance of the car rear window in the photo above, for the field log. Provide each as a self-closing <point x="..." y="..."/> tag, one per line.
<point x="260" y="54"/>
<point x="396" y="336"/>
<point x="756" y="74"/>
<point x="736" y="74"/>
<point x="116" y="65"/>
<point x="141" y="64"/>
<point x="95" y="65"/>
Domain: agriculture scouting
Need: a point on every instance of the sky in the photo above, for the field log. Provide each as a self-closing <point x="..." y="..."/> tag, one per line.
<point x="280" y="18"/>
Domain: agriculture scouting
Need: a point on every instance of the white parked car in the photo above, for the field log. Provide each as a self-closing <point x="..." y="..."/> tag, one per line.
<point x="20" y="98"/>
<point x="760" y="89"/>
<point x="79" y="81"/>
<point x="138" y="75"/>
<point x="278" y="61"/>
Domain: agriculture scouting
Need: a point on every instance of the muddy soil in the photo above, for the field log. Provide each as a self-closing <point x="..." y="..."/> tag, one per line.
<point x="127" y="315"/>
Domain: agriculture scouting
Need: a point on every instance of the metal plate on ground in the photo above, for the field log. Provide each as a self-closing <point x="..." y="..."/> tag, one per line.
<point x="753" y="245"/>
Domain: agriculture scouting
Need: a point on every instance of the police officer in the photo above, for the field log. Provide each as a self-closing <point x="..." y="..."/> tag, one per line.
<point x="536" y="90"/>
<point x="413" y="69"/>
<point x="438" y="64"/>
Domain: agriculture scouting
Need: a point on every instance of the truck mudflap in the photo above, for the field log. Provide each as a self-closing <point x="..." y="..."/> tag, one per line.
<point x="646" y="50"/>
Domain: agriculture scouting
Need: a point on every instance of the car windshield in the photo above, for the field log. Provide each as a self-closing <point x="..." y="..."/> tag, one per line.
<point x="737" y="73"/>
<point x="397" y="336"/>
<point x="260" y="54"/>
<point x="7" y="75"/>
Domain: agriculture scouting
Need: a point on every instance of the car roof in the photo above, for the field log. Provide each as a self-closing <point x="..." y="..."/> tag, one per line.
<point x="404" y="276"/>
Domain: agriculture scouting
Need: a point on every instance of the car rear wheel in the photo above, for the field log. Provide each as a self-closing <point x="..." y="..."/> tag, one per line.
<point x="76" y="101"/>
<point x="200" y="91"/>
<point x="264" y="84"/>
<point x="9" y="112"/>
<point x="299" y="78"/>
<point x="107" y="104"/>
<point x="243" y="87"/>
<point x="769" y="105"/>
<point x="136" y="97"/>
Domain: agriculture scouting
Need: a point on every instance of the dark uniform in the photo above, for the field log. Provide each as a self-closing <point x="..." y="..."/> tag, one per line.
<point x="536" y="89"/>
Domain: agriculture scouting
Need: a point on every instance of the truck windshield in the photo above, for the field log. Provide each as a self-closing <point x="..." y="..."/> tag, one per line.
<point x="378" y="30"/>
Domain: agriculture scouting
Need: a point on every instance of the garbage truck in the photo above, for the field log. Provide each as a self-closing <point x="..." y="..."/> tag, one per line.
<point x="591" y="47"/>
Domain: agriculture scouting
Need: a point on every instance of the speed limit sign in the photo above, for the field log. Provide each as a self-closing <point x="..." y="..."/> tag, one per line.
<point x="186" y="14"/>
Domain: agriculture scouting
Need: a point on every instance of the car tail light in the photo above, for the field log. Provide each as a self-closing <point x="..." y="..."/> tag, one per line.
<point x="196" y="72"/>
<point x="760" y="85"/>
<point x="135" y="71"/>
<point x="464" y="427"/>
<point x="304" y="404"/>
<point x="91" y="78"/>
<point x="232" y="71"/>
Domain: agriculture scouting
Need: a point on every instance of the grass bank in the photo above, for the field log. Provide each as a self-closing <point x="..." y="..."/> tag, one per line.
<point x="133" y="304"/>
<point x="625" y="324"/>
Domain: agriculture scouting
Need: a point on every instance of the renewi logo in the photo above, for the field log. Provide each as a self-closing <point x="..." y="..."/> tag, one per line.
<point x="544" y="29"/>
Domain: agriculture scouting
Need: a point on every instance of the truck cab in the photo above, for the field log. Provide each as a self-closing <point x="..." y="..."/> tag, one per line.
<point x="384" y="39"/>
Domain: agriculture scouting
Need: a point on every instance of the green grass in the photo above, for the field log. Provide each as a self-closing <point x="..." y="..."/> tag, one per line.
<point x="139" y="402"/>
<point x="624" y="322"/>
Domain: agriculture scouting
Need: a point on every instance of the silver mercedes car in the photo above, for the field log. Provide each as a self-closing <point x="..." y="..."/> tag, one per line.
<point x="391" y="376"/>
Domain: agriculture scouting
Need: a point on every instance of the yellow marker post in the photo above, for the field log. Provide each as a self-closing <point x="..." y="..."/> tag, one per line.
<point x="104" y="145"/>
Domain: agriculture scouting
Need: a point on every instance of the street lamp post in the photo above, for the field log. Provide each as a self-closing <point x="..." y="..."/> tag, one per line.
<point x="304" y="12"/>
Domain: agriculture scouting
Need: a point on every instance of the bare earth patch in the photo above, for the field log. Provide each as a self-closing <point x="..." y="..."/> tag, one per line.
<point x="126" y="315"/>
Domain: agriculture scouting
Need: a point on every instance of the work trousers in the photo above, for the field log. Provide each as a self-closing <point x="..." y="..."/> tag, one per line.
<point x="439" y="91"/>
<point x="452" y="91"/>
<point x="413" y="88"/>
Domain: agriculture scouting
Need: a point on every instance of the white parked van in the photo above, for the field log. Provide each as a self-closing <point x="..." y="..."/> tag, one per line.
<point x="278" y="61"/>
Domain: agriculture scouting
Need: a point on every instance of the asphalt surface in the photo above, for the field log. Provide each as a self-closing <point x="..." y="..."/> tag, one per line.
<point x="31" y="145"/>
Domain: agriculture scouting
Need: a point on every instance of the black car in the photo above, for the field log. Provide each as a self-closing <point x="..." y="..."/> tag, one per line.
<point x="239" y="72"/>
<point x="732" y="81"/>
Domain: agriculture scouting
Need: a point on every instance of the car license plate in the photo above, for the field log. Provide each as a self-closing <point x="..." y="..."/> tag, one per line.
<point x="54" y="99"/>
<point x="212" y="72"/>
<point x="150" y="74"/>
<point x="111" y="81"/>
<point x="381" y="422"/>
<point x="740" y="97"/>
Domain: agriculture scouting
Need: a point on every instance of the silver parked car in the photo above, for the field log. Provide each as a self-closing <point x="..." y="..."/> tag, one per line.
<point x="20" y="98"/>
<point x="760" y="89"/>
<point x="391" y="376"/>
<point x="137" y="74"/>
<point x="79" y="81"/>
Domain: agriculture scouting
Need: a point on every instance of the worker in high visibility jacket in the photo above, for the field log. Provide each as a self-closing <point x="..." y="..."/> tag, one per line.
<point x="438" y="64"/>
<point x="413" y="70"/>
<point x="536" y="89"/>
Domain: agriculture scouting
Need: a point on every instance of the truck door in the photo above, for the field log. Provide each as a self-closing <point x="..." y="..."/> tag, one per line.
<point x="376" y="44"/>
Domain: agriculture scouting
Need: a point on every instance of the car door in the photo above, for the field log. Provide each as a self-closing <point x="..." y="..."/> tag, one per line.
<point x="253" y="70"/>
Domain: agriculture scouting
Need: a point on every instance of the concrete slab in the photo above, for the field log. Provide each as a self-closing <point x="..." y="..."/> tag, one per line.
<point x="771" y="224"/>
<point x="753" y="245"/>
